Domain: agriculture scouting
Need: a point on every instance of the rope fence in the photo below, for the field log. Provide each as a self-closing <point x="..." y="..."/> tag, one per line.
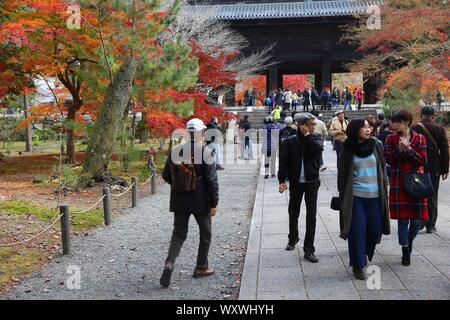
<point x="123" y="193"/>
<point x="64" y="215"/>
<point x="92" y="207"/>
<point x="32" y="238"/>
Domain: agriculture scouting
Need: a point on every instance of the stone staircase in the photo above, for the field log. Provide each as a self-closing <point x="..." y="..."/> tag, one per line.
<point x="256" y="116"/>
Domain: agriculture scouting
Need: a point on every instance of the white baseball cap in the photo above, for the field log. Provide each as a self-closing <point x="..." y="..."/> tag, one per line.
<point x="195" y="125"/>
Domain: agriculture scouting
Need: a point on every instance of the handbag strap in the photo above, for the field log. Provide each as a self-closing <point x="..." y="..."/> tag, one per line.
<point x="428" y="134"/>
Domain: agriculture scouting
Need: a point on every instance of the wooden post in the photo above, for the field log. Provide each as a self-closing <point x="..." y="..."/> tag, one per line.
<point x="134" y="194"/>
<point x="65" y="229"/>
<point x="106" y="208"/>
<point x="29" y="129"/>
<point x="153" y="180"/>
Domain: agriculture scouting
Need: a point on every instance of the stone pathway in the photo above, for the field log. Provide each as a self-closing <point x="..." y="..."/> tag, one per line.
<point x="271" y="272"/>
<point x="125" y="259"/>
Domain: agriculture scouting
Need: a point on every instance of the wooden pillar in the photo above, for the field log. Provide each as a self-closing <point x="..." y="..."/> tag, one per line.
<point x="272" y="81"/>
<point x="318" y="81"/>
<point x="326" y="69"/>
<point x="280" y="81"/>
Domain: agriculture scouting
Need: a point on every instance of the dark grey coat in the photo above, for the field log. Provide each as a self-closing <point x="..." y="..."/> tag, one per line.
<point x="206" y="195"/>
<point x="345" y="188"/>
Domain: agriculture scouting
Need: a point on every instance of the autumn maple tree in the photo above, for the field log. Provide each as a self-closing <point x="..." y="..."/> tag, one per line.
<point x="411" y="50"/>
<point x="39" y="45"/>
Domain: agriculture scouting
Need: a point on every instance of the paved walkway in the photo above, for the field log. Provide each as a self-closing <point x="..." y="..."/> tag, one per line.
<point x="125" y="259"/>
<point x="271" y="272"/>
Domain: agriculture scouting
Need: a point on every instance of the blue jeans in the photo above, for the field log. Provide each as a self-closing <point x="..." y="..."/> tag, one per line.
<point x="335" y="103"/>
<point x="405" y="233"/>
<point x="347" y="104"/>
<point x="217" y="153"/>
<point x="365" y="231"/>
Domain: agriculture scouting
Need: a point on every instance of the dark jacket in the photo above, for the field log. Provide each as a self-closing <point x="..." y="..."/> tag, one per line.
<point x="279" y="98"/>
<point x="287" y="132"/>
<point x="437" y="156"/>
<point x="345" y="188"/>
<point x="206" y="195"/>
<point x="383" y="135"/>
<point x="245" y="125"/>
<point x="211" y="125"/>
<point x="292" y="152"/>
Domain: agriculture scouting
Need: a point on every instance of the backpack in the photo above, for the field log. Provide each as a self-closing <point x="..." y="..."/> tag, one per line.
<point x="184" y="177"/>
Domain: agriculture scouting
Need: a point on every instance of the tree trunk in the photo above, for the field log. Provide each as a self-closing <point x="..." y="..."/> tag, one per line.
<point x="109" y="120"/>
<point x="29" y="130"/>
<point x="70" y="137"/>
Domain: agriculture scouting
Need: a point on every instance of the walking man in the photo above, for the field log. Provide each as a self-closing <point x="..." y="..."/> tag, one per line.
<point x="213" y="132"/>
<point x="438" y="159"/>
<point x="299" y="161"/>
<point x="190" y="169"/>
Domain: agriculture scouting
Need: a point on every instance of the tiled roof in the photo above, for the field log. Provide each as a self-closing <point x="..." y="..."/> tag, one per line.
<point x="283" y="10"/>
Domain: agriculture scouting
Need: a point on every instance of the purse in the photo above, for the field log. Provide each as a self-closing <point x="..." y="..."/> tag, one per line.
<point x="418" y="185"/>
<point x="336" y="203"/>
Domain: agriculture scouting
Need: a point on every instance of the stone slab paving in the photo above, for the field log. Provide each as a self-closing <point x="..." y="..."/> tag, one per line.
<point x="271" y="272"/>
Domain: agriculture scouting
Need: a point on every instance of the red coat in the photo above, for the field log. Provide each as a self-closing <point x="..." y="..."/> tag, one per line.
<point x="401" y="205"/>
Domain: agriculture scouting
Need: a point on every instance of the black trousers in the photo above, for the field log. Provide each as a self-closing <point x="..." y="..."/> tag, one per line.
<point x="433" y="202"/>
<point x="179" y="235"/>
<point x="310" y="190"/>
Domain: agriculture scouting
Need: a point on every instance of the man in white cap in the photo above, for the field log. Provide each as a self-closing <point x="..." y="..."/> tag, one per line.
<point x="299" y="161"/>
<point x="190" y="169"/>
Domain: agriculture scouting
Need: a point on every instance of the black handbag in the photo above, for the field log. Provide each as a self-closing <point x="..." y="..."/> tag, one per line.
<point x="418" y="185"/>
<point x="336" y="203"/>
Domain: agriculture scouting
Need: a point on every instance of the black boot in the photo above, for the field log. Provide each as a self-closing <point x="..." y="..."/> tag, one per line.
<point x="166" y="275"/>
<point x="406" y="256"/>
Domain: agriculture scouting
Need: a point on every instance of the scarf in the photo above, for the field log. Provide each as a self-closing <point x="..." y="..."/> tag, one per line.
<point x="362" y="150"/>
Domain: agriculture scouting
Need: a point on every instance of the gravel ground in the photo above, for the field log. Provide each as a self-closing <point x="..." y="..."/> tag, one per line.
<point x="125" y="260"/>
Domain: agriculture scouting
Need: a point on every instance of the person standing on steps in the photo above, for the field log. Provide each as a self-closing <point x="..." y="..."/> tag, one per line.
<point x="300" y="161"/>
<point x="190" y="169"/>
<point x="362" y="186"/>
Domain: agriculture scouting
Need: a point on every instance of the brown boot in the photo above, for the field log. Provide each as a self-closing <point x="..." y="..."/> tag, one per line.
<point x="203" y="272"/>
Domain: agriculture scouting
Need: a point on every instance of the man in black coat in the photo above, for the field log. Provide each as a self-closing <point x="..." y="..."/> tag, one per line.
<point x="437" y="159"/>
<point x="201" y="202"/>
<point x="300" y="162"/>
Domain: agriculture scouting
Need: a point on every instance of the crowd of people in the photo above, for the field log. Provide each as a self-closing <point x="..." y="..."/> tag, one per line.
<point x="376" y="158"/>
<point x="387" y="169"/>
<point x="309" y="98"/>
